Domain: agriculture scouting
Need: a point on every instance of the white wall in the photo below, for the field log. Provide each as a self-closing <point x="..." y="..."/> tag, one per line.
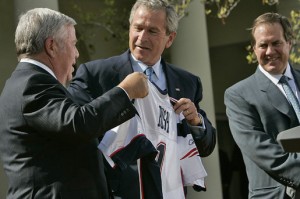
<point x="24" y="5"/>
<point x="191" y="51"/>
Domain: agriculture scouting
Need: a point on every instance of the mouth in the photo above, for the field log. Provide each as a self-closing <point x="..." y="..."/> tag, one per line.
<point x="74" y="66"/>
<point x="142" y="47"/>
<point x="272" y="59"/>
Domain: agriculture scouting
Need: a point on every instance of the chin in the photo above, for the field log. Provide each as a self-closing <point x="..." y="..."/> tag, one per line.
<point x="275" y="70"/>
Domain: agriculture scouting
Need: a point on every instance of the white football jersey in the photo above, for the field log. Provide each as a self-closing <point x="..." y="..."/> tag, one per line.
<point x="190" y="162"/>
<point x="158" y="122"/>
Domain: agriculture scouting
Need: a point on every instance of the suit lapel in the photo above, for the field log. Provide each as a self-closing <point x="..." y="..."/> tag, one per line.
<point x="274" y="95"/>
<point x="174" y="87"/>
<point x="123" y="67"/>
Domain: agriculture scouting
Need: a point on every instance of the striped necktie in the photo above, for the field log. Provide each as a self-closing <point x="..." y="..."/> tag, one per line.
<point x="149" y="71"/>
<point x="290" y="95"/>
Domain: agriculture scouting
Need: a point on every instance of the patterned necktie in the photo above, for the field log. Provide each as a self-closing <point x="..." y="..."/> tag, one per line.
<point x="149" y="71"/>
<point x="290" y="95"/>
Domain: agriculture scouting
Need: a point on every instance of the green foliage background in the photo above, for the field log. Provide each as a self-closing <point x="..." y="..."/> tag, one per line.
<point x="114" y="15"/>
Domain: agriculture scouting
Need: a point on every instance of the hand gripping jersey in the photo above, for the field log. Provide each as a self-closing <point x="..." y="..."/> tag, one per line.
<point x="178" y="159"/>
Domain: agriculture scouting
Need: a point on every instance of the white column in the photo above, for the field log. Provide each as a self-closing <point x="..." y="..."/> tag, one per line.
<point x="191" y="51"/>
<point x="24" y="5"/>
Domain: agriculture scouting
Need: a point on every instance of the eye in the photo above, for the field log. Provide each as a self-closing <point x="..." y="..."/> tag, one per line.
<point x="263" y="46"/>
<point x="138" y="28"/>
<point x="153" y="31"/>
<point x="277" y="43"/>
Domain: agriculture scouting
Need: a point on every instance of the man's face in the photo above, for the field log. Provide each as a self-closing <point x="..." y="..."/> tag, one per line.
<point x="66" y="56"/>
<point x="147" y="35"/>
<point x="271" y="48"/>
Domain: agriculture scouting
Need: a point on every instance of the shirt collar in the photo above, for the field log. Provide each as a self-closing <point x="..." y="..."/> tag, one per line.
<point x="39" y="64"/>
<point x="141" y="67"/>
<point x="275" y="78"/>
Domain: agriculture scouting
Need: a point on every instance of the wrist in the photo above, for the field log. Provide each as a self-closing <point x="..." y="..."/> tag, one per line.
<point x="197" y="121"/>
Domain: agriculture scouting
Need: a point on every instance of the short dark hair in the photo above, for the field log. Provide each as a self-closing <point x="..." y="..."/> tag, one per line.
<point x="271" y="18"/>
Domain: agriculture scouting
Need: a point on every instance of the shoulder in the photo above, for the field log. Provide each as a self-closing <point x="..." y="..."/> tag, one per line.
<point x="109" y="67"/>
<point x="179" y="70"/>
<point x="296" y="72"/>
<point x="256" y="80"/>
<point x="243" y="83"/>
<point x="176" y="72"/>
<point x="244" y="87"/>
<point x="107" y="62"/>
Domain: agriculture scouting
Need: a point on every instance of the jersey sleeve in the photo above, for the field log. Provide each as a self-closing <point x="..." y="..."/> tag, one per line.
<point x="193" y="171"/>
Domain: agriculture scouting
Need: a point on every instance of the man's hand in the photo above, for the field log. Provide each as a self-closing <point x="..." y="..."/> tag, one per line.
<point x="135" y="84"/>
<point x="188" y="109"/>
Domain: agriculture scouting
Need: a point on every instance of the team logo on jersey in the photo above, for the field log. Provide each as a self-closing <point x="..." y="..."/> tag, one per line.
<point x="191" y="141"/>
<point x="163" y="121"/>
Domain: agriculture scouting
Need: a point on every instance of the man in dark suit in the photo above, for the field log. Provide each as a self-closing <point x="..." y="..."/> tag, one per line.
<point x="48" y="143"/>
<point x="258" y="109"/>
<point x="153" y="25"/>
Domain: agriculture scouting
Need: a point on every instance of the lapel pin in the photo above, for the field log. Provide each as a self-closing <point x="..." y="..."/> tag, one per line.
<point x="177" y="89"/>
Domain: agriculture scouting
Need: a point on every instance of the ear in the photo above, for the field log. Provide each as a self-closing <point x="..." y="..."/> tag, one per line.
<point x="171" y="38"/>
<point x="291" y="45"/>
<point x="49" y="46"/>
<point x="253" y="48"/>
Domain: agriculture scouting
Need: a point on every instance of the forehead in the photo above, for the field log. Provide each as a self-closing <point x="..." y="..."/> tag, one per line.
<point x="70" y="32"/>
<point x="147" y="16"/>
<point x="268" y="30"/>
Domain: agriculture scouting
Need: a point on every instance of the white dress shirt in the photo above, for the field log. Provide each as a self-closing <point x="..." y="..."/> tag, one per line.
<point x="275" y="79"/>
<point x="39" y="64"/>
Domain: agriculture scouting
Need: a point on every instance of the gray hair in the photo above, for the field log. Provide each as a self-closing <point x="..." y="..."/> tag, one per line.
<point x="35" y="26"/>
<point x="272" y="18"/>
<point x="171" y="15"/>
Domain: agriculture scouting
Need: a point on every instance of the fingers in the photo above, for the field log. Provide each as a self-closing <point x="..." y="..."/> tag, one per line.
<point x="188" y="109"/>
<point x="189" y="114"/>
<point x="136" y="85"/>
<point x="186" y="106"/>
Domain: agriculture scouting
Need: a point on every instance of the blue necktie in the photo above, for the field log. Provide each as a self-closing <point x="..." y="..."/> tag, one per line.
<point x="290" y="95"/>
<point x="149" y="71"/>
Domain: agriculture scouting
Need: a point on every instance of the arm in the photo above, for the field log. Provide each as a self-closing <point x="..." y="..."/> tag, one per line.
<point x="47" y="105"/>
<point x="253" y="128"/>
<point x="196" y="121"/>
<point x="205" y="139"/>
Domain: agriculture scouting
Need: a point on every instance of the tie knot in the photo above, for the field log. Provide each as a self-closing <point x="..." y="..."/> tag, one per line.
<point x="149" y="71"/>
<point x="284" y="79"/>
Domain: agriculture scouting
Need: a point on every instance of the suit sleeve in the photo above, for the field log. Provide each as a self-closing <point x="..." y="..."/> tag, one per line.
<point x="205" y="139"/>
<point x="50" y="107"/>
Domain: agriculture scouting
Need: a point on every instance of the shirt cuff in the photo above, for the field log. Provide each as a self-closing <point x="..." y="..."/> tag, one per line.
<point x="202" y="126"/>
<point x="125" y="92"/>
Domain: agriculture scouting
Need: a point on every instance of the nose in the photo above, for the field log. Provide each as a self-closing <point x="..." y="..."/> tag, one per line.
<point x="76" y="53"/>
<point x="143" y="35"/>
<point x="270" y="50"/>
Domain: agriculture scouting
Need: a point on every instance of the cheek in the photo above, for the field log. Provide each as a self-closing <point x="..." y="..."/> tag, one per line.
<point x="258" y="53"/>
<point x="70" y="69"/>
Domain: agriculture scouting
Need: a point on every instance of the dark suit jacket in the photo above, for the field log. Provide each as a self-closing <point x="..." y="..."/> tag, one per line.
<point x="257" y="111"/>
<point x="96" y="77"/>
<point x="48" y="143"/>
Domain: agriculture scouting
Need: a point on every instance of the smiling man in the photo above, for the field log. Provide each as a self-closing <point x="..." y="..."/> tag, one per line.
<point x="258" y="108"/>
<point x="153" y="26"/>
